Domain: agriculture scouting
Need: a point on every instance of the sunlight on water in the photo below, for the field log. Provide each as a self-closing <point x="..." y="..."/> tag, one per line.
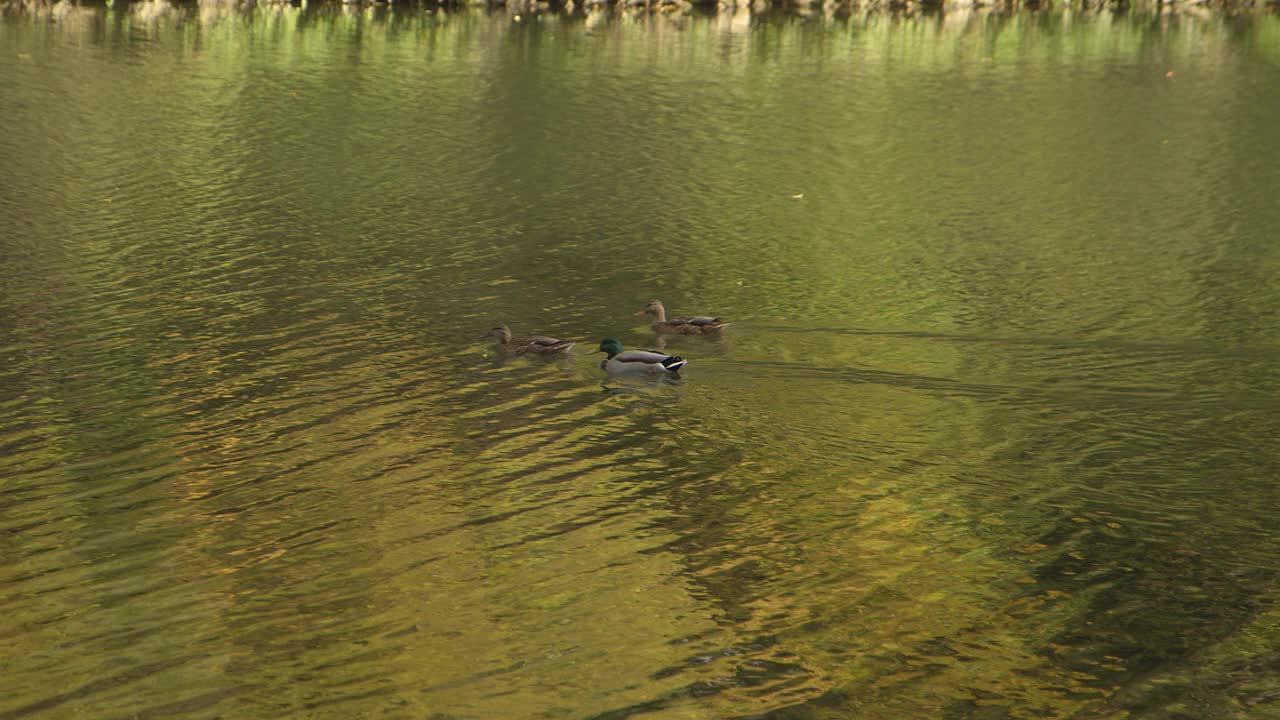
<point x="990" y="436"/>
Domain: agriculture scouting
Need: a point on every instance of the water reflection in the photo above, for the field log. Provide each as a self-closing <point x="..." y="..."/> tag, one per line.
<point x="988" y="437"/>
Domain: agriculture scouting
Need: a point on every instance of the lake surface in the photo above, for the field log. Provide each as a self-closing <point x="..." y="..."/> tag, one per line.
<point x="994" y="433"/>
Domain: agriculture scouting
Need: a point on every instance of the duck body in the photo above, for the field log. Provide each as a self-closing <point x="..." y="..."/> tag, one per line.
<point x="683" y="324"/>
<point x="536" y="345"/>
<point x="638" y="361"/>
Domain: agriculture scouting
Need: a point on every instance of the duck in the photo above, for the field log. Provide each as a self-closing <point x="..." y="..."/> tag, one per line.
<point x="683" y="325"/>
<point x="537" y="345"/>
<point x="638" y="361"/>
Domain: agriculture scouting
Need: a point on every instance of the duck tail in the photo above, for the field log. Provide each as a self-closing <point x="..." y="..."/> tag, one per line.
<point x="674" y="363"/>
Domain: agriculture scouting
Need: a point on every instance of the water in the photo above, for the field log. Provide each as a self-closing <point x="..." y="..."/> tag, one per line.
<point x="993" y="434"/>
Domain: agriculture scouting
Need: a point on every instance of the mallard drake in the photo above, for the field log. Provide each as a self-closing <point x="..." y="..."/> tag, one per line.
<point x="683" y="325"/>
<point x="537" y="345"/>
<point x="637" y="361"/>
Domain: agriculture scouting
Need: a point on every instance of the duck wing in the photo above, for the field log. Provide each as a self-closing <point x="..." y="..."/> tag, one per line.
<point x="646" y="357"/>
<point x="652" y="358"/>
<point x="541" y="344"/>
<point x="700" y="320"/>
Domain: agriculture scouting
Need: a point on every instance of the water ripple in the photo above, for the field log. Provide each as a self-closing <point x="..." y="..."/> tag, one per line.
<point x="1000" y="451"/>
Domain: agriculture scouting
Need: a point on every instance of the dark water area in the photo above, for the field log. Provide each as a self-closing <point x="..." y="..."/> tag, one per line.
<point x="993" y="434"/>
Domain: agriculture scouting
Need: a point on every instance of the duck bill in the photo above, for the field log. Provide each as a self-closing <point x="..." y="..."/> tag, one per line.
<point x="638" y="313"/>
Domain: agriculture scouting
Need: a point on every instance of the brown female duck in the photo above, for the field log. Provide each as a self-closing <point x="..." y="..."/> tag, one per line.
<point x="536" y="345"/>
<point x="683" y="325"/>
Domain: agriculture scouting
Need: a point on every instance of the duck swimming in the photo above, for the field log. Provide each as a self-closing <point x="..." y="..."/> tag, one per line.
<point x="537" y="345"/>
<point x="638" y="361"/>
<point x="682" y="325"/>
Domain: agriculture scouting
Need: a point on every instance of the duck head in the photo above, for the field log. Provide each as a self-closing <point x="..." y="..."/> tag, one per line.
<point x="653" y="308"/>
<point x="501" y="332"/>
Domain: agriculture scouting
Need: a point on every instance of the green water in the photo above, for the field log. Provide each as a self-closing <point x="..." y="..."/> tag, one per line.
<point x="993" y="435"/>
